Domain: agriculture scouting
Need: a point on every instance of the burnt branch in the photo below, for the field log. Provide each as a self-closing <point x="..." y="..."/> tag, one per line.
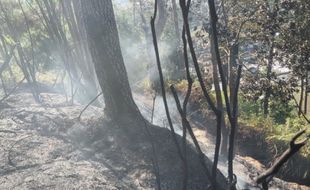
<point x="233" y="128"/>
<point x="267" y="176"/>
<point x="186" y="124"/>
<point x="303" y="114"/>
<point x="213" y="22"/>
<point x="174" y="137"/>
<point x="153" y="107"/>
<point x="10" y="162"/>
<point x="231" y="112"/>
<point x="8" y="131"/>
<point x="185" y="102"/>
<point x="188" y="74"/>
<point x="185" y="10"/>
<point x="13" y="90"/>
<point x="85" y="108"/>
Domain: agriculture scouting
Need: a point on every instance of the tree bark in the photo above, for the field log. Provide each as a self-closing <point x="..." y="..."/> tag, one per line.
<point x="269" y="71"/>
<point x="219" y="102"/>
<point x="177" y="61"/>
<point x="233" y="56"/>
<point x="301" y="99"/>
<point x="162" y="18"/>
<point x="306" y="94"/>
<point x="103" y="41"/>
<point x="176" y="22"/>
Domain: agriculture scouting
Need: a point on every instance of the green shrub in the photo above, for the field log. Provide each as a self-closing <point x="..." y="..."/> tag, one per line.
<point x="281" y="111"/>
<point x="248" y="109"/>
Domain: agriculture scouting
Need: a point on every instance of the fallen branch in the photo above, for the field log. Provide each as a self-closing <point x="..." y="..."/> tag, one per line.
<point x="267" y="176"/>
<point x="92" y="101"/>
<point x="153" y="108"/>
<point x="13" y="90"/>
<point x="10" y="150"/>
<point x="8" y="131"/>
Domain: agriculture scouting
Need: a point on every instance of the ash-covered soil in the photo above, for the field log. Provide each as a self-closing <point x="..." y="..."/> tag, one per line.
<point x="37" y="152"/>
<point x="45" y="146"/>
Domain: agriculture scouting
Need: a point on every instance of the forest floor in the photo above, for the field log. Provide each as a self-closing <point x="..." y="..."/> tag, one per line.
<point x="45" y="146"/>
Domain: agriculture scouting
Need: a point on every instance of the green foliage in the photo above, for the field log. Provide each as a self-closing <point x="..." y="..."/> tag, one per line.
<point x="279" y="127"/>
<point x="283" y="133"/>
<point x="281" y="111"/>
<point x="248" y="108"/>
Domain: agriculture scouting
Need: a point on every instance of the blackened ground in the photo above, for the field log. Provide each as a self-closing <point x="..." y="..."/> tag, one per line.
<point x="44" y="146"/>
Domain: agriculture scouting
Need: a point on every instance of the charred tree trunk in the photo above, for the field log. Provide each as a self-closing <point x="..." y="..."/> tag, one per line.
<point x="306" y="95"/>
<point x="162" y="17"/>
<point x="269" y="72"/>
<point x="103" y="41"/>
<point x="223" y="131"/>
<point x="233" y="57"/>
<point x="301" y="99"/>
<point x="176" y="22"/>
<point x="233" y="66"/>
<point x="178" y="57"/>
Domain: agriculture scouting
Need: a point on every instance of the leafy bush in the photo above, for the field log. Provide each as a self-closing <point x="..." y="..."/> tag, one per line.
<point x="281" y="111"/>
<point x="279" y="127"/>
<point x="248" y="108"/>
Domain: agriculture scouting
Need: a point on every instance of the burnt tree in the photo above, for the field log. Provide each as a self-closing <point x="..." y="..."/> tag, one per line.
<point x="103" y="41"/>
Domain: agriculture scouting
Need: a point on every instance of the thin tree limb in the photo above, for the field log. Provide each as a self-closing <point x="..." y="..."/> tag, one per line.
<point x="303" y="114"/>
<point x="13" y="90"/>
<point x="233" y="129"/>
<point x="153" y="108"/>
<point x="186" y="124"/>
<point x="267" y="176"/>
<point x="153" y="18"/>
<point x="92" y="101"/>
